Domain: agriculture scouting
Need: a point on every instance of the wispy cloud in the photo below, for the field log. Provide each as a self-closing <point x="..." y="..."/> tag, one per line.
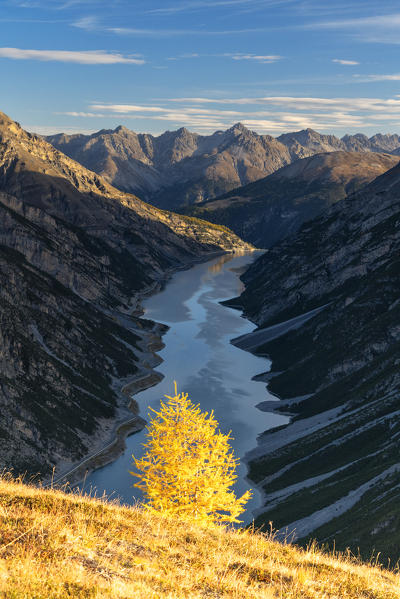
<point x="303" y="103"/>
<point x="349" y="63"/>
<point x="33" y="21"/>
<point x="196" y="5"/>
<point x="373" y="78"/>
<point x="262" y="121"/>
<point x="93" y="57"/>
<point x="73" y="3"/>
<point x="81" y="114"/>
<point x="340" y="8"/>
<point x="127" y="108"/>
<point x="390" y="20"/>
<point x="266" y="59"/>
<point x="269" y="114"/>
<point x="183" y="32"/>
<point x="51" y="129"/>
<point x="188" y="55"/>
<point x="90" y="23"/>
<point x="54" y="4"/>
<point x="382" y="28"/>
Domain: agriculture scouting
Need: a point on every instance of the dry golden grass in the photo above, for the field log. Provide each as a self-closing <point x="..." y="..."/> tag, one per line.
<point x="55" y="545"/>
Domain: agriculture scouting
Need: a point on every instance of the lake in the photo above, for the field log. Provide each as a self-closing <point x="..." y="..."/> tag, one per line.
<point x="199" y="356"/>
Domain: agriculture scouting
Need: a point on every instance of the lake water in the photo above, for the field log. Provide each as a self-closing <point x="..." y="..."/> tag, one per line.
<point x="199" y="356"/>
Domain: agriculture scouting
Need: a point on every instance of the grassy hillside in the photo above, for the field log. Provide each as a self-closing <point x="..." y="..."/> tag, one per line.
<point x="55" y="545"/>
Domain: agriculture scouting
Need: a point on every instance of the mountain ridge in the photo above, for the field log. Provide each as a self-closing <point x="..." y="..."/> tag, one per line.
<point x="179" y="168"/>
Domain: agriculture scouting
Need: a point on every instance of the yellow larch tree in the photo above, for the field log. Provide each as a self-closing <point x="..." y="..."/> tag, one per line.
<point x="188" y="468"/>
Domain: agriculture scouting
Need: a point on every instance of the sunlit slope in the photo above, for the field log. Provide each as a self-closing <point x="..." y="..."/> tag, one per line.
<point x="56" y="546"/>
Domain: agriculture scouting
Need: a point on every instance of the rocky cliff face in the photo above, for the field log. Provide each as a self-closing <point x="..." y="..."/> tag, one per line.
<point x="334" y="472"/>
<point x="74" y="254"/>
<point x="180" y="168"/>
<point x="275" y="207"/>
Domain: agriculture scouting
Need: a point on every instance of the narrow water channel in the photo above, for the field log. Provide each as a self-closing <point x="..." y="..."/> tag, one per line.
<point x="199" y="356"/>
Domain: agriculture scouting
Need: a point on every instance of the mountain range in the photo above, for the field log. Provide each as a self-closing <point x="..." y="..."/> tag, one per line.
<point x="326" y="302"/>
<point x="75" y="255"/>
<point x="180" y="168"/>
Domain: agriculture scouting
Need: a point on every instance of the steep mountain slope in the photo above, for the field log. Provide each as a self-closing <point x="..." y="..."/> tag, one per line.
<point x="334" y="472"/>
<point x="273" y="208"/>
<point x="74" y="254"/>
<point x="180" y="168"/>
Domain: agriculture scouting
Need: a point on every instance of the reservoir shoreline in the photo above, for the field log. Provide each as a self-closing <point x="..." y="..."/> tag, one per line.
<point x="128" y="421"/>
<point x="193" y="329"/>
<point x="198" y="354"/>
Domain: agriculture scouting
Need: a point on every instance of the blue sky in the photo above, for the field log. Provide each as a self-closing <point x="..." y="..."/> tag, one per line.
<point x="153" y="65"/>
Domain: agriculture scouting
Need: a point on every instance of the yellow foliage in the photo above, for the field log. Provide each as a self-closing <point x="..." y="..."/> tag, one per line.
<point x="189" y="467"/>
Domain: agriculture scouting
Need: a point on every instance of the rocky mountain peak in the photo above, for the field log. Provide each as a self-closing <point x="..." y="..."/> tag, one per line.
<point x="8" y="126"/>
<point x="361" y="137"/>
<point x="307" y="135"/>
<point x="238" y="129"/>
<point x="310" y="132"/>
<point x="178" y="133"/>
<point x="385" y="142"/>
<point x="121" y="129"/>
<point x="5" y="120"/>
<point x="358" y="136"/>
<point x="386" y="136"/>
<point x="182" y="131"/>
